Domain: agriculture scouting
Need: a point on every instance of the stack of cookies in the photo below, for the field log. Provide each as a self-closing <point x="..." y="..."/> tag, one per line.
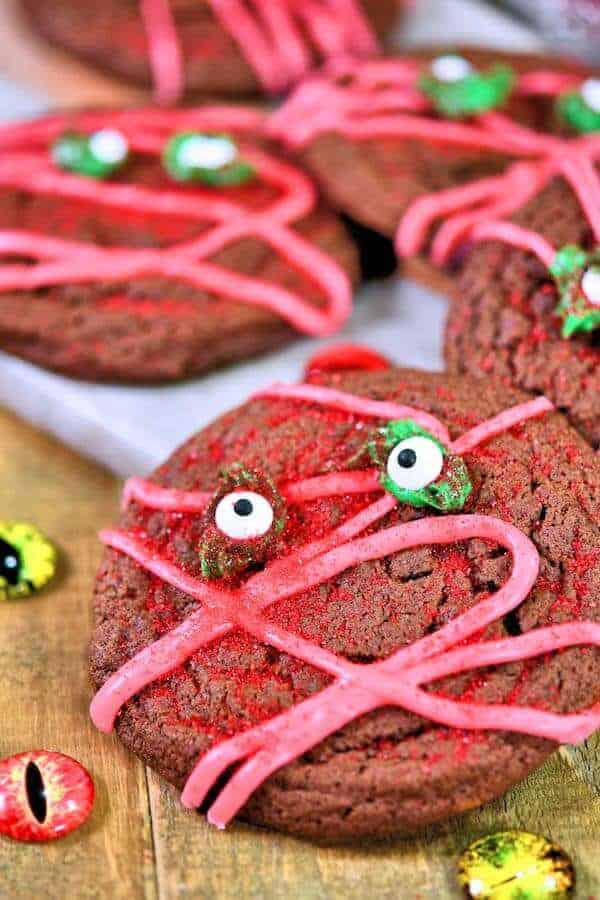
<point x="369" y="601"/>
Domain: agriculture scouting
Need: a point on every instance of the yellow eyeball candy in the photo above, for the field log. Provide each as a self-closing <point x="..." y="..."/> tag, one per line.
<point x="27" y="560"/>
<point x="515" y="865"/>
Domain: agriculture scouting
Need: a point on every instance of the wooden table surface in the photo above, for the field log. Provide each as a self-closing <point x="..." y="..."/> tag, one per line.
<point x="139" y="843"/>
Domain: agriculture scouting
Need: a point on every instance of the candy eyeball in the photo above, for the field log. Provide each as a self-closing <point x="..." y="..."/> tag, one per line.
<point x="97" y="155"/>
<point x="417" y="469"/>
<point x="415" y="463"/>
<point x="241" y="524"/>
<point x="580" y="109"/>
<point x="590" y="285"/>
<point x="109" y="146"/>
<point x="212" y="159"/>
<point x="577" y="276"/>
<point x="590" y="92"/>
<point x="27" y="560"/>
<point x="43" y="795"/>
<point x="244" y="515"/>
<point x="451" y="68"/>
<point x="457" y="89"/>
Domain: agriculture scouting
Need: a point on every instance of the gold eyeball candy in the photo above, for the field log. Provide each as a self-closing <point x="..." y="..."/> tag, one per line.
<point x="27" y="560"/>
<point x="515" y="865"/>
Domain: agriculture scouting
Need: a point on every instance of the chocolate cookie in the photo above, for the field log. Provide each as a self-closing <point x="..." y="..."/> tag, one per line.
<point x="149" y="246"/>
<point x="275" y="594"/>
<point x="382" y="135"/>
<point x="535" y="322"/>
<point x="210" y="47"/>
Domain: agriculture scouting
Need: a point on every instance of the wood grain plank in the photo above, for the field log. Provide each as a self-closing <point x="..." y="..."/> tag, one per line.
<point x="194" y="860"/>
<point x="44" y="690"/>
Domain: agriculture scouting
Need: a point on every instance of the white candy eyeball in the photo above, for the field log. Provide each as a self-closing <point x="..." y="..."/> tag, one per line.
<point x="415" y="462"/>
<point x="590" y="285"/>
<point x="109" y="146"/>
<point x="451" y="68"/>
<point x="590" y="92"/>
<point x="243" y="515"/>
<point x="202" y="151"/>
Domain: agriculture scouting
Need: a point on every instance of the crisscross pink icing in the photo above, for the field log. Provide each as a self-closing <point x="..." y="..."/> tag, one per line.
<point x="274" y="36"/>
<point x="355" y="689"/>
<point x="380" y="99"/>
<point x="25" y="164"/>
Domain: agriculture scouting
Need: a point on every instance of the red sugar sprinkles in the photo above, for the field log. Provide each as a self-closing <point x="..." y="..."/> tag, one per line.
<point x="356" y="689"/>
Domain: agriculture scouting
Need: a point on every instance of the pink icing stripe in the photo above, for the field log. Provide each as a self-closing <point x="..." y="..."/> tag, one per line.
<point x="269" y="35"/>
<point x="296" y="731"/>
<point x="519" y="237"/>
<point x="168" y="499"/>
<point x="154" y="661"/>
<point x="245" y="28"/>
<point x="518" y="190"/>
<point x="583" y="178"/>
<point x="116" y="266"/>
<point x="420" y="216"/>
<point x="172" y="500"/>
<point x="323" y="28"/>
<point x="34" y="173"/>
<point x="361" y="36"/>
<point x="165" y="53"/>
<point x="135" y="547"/>
<point x="363" y="406"/>
<point x="506" y="420"/>
<point x="149" y="664"/>
<point x="261" y="587"/>
<point x="547" y="82"/>
<point x="335" y="484"/>
<point x="134" y="123"/>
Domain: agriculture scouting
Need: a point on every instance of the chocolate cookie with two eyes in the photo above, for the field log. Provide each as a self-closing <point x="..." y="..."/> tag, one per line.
<point x="152" y="245"/>
<point x="355" y="606"/>
<point x="379" y="136"/>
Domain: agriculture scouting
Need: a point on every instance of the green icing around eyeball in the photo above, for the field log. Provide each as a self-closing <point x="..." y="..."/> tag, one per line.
<point x="446" y="493"/>
<point x="475" y="93"/>
<point x="573" y="110"/>
<point x="211" y="159"/>
<point x="579" y="313"/>
<point x="515" y="865"/>
<point x="27" y="560"/>
<point x="98" y="155"/>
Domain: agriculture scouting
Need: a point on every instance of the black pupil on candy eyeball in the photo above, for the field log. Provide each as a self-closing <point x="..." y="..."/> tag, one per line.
<point x="10" y="562"/>
<point x="243" y="507"/>
<point x="407" y="458"/>
<point x="36" y="792"/>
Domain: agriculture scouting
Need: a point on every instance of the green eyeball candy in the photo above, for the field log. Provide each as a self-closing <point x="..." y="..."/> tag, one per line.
<point x="418" y="469"/>
<point x="212" y="159"/>
<point x="577" y="276"/>
<point x="98" y="155"/>
<point x="27" y="560"/>
<point x="581" y="109"/>
<point x="515" y="865"/>
<point x="457" y="90"/>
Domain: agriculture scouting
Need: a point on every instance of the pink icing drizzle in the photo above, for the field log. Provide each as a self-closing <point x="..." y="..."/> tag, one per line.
<point x="271" y="34"/>
<point x="370" y="100"/>
<point x="25" y="166"/>
<point x="356" y="689"/>
<point x="488" y="200"/>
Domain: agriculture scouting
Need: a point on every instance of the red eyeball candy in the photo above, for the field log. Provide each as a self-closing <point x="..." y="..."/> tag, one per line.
<point x="43" y="795"/>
